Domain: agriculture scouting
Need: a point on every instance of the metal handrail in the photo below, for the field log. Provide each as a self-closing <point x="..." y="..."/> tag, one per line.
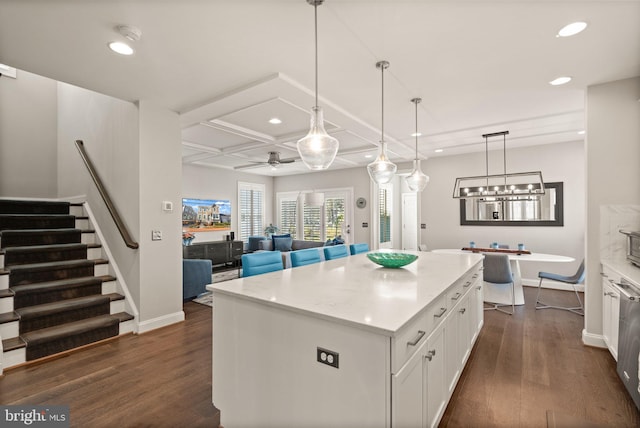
<point x="122" y="228"/>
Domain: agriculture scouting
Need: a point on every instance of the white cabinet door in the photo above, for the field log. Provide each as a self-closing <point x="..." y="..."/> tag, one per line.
<point x="408" y="392"/>
<point x="434" y="379"/>
<point x="476" y="299"/>
<point x="457" y="341"/>
<point x="610" y="316"/>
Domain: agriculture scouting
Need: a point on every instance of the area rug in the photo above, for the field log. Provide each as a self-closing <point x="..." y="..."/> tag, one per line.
<point x="206" y="298"/>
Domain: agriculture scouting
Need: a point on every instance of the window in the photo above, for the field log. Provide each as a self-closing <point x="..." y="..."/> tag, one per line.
<point x="314" y="223"/>
<point x="287" y="216"/>
<point x="251" y="210"/>
<point x="384" y="212"/>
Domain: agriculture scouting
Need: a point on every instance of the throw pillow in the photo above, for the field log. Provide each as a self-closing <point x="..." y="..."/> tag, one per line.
<point x="282" y="235"/>
<point x="282" y="243"/>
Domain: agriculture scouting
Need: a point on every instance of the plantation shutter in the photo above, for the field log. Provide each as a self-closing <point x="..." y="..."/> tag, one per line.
<point x="385" y="216"/>
<point x="288" y="216"/>
<point x="251" y="200"/>
<point x="334" y="207"/>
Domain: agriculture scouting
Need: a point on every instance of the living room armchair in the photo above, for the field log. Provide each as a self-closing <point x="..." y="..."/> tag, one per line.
<point x="196" y="275"/>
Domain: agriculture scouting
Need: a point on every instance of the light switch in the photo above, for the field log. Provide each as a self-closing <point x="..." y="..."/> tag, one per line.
<point x="156" y="235"/>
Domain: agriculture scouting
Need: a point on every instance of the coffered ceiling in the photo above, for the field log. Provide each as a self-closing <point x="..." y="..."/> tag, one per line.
<point x="229" y="66"/>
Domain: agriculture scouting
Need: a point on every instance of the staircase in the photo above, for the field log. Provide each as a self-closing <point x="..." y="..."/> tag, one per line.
<point x="56" y="293"/>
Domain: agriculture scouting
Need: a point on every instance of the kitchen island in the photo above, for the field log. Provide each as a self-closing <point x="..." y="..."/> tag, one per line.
<point x="345" y="342"/>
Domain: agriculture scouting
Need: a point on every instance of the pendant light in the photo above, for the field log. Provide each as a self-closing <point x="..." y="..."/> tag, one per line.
<point x="417" y="180"/>
<point x="502" y="187"/>
<point x="382" y="169"/>
<point x="317" y="149"/>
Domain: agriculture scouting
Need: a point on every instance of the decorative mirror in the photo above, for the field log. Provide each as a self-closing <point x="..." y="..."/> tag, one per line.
<point x="535" y="210"/>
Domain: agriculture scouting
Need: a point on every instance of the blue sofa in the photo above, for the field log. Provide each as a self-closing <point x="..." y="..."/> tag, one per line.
<point x="196" y="275"/>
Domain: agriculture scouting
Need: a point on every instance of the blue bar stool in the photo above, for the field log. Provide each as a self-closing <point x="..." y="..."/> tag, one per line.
<point x="259" y="263"/>
<point x="358" y="248"/>
<point x="335" y="252"/>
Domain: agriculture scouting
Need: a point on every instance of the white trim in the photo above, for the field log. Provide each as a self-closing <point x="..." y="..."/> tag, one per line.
<point x="159" y="322"/>
<point x="244" y="185"/>
<point x="595" y="340"/>
<point x="114" y="266"/>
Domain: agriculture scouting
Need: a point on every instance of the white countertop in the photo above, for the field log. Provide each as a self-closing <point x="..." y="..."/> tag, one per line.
<point x="625" y="269"/>
<point x="533" y="257"/>
<point x="354" y="290"/>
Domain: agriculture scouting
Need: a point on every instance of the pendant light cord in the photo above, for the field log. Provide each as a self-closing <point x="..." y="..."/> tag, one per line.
<point x="315" y="8"/>
<point x="382" y="109"/>
<point x="416" y="101"/>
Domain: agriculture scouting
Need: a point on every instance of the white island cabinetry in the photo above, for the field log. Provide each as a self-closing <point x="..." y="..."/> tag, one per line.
<point x="345" y="342"/>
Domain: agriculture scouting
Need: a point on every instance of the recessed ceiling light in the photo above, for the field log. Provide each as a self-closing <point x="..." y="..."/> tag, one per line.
<point x="560" y="81"/>
<point x="121" y="48"/>
<point x="439" y="150"/>
<point x="368" y="156"/>
<point x="581" y="132"/>
<point x="275" y="121"/>
<point x="572" y="29"/>
<point x="417" y="134"/>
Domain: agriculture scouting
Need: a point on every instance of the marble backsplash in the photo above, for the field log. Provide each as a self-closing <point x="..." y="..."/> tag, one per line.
<point x="613" y="218"/>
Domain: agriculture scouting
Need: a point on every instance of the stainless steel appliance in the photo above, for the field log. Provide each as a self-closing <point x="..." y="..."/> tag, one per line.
<point x="629" y="339"/>
<point x="633" y="246"/>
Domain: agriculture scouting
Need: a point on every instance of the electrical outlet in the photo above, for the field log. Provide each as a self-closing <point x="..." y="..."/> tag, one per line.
<point x="156" y="235"/>
<point x="330" y="358"/>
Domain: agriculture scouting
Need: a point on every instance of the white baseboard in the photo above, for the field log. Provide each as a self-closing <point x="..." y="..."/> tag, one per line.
<point x="595" y="340"/>
<point x="159" y="322"/>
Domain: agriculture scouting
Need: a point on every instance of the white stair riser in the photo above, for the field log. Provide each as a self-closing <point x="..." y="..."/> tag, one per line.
<point x="1" y="261"/>
<point x="94" y="253"/>
<point x="4" y="282"/>
<point x="82" y="223"/>
<point x="13" y="358"/>
<point x="117" y="306"/>
<point x="126" y="327"/>
<point x="6" y="305"/>
<point x="102" y="269"/>
<point x="77" y="211"/>
<point x="9" y="329"/>
<point x="88" y="238"/>
<point x="109" y="287"/>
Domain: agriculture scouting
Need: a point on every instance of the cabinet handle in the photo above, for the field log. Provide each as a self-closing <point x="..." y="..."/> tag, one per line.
<point x="415" y="341"/>
<point x="463" y="310"/>
<point x="475" y="275"/>
<point x="479" y="287"/>
<point x="604" y="275"/>
<point x="613" y="295"/>
<point x="466" y="284"/>
<point x="430" y="354"/>
<point x="456" y="297"/>
<point x="606" y="293"/>
<point x="442" y="311"/>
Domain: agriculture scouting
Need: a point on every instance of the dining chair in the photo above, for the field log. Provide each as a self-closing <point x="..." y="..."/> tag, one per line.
<point x="503" y="246"/>
<point x="262" y="262"/>
<point x="574" y="280"/>
<point x="497" y="273"/>
<point x="305" y="257"/>
<point x="358" y="248"/>
<point x="335" y="252"/>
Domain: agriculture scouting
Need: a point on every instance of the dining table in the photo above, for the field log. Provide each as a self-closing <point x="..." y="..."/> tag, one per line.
<point x="498" y="295"/>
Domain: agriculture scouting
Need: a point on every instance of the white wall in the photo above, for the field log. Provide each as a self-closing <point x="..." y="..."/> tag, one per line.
<point x="558" y="162"/>
<point x="28" y="123"/>
<point x="355" y="178"/>
<point x="160" y="180"/>
<point x="109" y="129"/>
<point x="201" y="182"/>
<point x="613" y="174"/>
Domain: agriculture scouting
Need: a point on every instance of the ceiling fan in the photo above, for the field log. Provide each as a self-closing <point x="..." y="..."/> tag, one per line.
<point x="274" y="160"/>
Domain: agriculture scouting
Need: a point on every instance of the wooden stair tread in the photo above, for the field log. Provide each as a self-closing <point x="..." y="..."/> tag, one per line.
<point x="52" y="247"/>
<point x="61" y="283"/>
<point x="114" y="296"/>
<point x="6" y="293"/>
<point x="123" y="316"/>
<point x="34" y="207"/>
<point x="9" y="317"/>
<point x="70" y="329"/>
<point x="61" y="306"/>
<point x="62" y="264"/>
<point x="12" y="343"/>
<point x="39" y="231"/>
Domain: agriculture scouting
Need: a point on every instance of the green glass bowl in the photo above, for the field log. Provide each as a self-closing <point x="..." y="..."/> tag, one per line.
<point x="392" y="260"/>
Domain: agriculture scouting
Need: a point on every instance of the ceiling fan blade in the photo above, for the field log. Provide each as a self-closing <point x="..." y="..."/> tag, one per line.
<point x="287" y="160"/>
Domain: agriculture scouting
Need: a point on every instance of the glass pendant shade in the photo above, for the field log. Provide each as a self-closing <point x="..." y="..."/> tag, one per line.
<point x="417" y="180"/>
<point x="382" y="169"/>
<point x="317" y="149"/>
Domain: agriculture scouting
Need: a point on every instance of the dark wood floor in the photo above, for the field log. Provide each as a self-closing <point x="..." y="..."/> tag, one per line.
<point x="533" y="363"/>
<point x="522" y="367"/>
